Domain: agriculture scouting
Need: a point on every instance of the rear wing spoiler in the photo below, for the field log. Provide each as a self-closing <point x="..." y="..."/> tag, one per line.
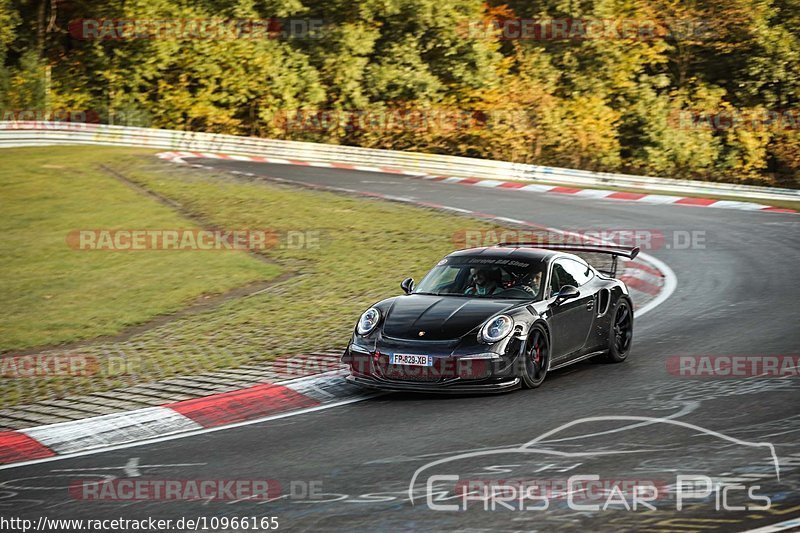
<point x="614" y="251"/>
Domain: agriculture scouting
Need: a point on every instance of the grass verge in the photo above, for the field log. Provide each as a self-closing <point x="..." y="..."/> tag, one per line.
<point x="54" y="294"/>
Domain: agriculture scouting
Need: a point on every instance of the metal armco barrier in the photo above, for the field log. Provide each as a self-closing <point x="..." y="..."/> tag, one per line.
<point x="49" y="133"/>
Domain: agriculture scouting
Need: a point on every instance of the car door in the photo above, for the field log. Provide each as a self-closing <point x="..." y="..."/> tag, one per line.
<point x="572" y="319"/>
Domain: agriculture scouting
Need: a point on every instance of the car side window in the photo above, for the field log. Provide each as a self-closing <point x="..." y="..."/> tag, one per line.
<point x="555" y="286"/>
<point x="576" y="273"/>
<point x="563" y="276"/>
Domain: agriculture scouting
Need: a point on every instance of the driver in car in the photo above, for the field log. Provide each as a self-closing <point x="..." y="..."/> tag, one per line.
<point x="486" y="282"/>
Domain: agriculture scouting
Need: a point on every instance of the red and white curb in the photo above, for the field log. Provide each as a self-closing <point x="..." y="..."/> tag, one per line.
<point x="660" y="199"/>
<point x="229" y="409"/>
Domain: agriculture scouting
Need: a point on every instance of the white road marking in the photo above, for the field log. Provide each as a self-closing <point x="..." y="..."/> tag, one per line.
<point x="780" y="526"/>
<point x="511" y="220"/>
<point x="456" y="209"/>
<point x="670" y="284"/>
<point x="399" y="198"/>
<point x="131" y="468"/>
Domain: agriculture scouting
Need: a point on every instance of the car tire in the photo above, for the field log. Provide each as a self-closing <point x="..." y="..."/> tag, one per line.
<point x="620" y="334"/>
<point x="535" y="358"/>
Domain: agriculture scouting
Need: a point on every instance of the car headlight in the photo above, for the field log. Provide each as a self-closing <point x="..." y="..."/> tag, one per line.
<point x="368" y="321"/>
<point x="496" y="329"/>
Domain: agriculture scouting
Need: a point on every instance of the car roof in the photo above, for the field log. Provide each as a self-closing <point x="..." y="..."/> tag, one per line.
<point x="503" y="252"/>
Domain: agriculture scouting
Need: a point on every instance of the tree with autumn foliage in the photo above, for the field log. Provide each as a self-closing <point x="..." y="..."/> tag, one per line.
<point x="705" y="90"/>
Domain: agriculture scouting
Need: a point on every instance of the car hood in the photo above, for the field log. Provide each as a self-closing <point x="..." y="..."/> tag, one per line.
<point x="439" y="317"/>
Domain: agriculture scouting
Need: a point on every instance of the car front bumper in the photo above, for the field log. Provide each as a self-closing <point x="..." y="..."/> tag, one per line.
<point x="455" y="370"/>
<point x="454" y="386"/>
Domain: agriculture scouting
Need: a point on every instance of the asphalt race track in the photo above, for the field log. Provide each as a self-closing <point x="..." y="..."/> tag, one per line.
<point x="350" y="467"/>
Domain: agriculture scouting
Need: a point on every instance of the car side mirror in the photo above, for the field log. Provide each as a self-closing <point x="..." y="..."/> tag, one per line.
<point x="407" y="285"/>
<point x="567" y="292"/>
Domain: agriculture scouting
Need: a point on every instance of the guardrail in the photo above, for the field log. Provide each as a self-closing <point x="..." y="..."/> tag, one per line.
<point x="48" y="133"/>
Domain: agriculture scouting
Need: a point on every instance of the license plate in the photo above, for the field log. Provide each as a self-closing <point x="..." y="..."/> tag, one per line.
<point x="414" y="360"/>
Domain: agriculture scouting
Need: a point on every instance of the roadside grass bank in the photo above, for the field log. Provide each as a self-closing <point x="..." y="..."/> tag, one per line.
<point x="53" y="293"/>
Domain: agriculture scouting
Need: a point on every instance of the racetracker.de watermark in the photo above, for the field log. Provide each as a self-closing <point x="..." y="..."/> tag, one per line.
<point x="733" y="366"/>
<point x="399" y="119"/>
<point x="736" y="119"/>
<point x="587" y="29"/>
<point x="462" y="368"/>
<point x="126" y="240"/>
<point x="60" y="119"/>
<point x="645" y="239"/>
<point x="203" y="29"/>
<point x="295" y="366"/>
<point x="47" y="365"/>
<point x="147" y="489"/>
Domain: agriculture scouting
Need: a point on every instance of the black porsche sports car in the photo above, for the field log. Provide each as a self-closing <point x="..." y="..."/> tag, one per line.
<point x="494" y="319"/>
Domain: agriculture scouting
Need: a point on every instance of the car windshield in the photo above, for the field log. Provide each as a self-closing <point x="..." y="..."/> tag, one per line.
<point x="482" y="277"/>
